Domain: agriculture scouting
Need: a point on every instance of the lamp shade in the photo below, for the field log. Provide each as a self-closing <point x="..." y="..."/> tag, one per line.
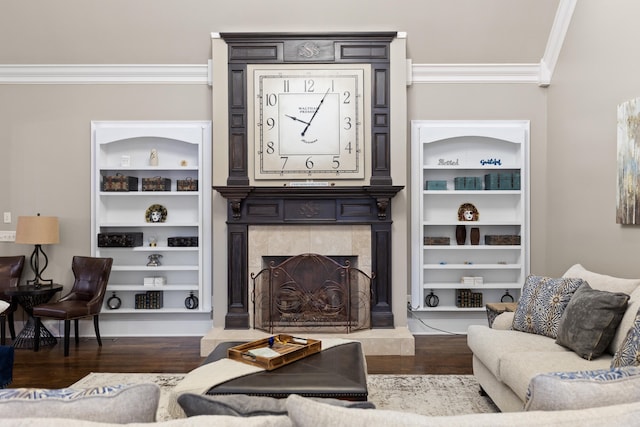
<point x="37" y="230"/>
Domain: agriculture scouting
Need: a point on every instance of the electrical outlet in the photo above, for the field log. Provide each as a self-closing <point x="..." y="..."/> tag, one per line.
<point x="7" y="217"/>
<point x="7" y="236"/>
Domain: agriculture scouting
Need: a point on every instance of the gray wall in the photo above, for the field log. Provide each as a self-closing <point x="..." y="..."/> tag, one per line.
<point x="597" y="70"/>
<point x="44" y="129"/>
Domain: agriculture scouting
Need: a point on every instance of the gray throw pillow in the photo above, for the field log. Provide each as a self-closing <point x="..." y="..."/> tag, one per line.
<point x="590" y="321"/>
<point x="242" y="405"/>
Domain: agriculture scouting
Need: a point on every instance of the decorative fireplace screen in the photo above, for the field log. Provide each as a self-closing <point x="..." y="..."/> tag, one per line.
<point x="311" y="292"/>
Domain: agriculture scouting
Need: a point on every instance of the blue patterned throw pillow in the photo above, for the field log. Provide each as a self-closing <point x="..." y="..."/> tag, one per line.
<point x="542" y="303"/>
<point x="557" y="391"/>
<point x="629" y="352"/>
<point x="120" y="404"/>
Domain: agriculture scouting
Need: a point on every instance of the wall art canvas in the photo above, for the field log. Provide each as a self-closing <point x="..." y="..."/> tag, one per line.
<point x="628" y="196"/>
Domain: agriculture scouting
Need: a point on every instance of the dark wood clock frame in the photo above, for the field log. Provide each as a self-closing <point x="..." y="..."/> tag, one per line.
<point x="271" y="205"/>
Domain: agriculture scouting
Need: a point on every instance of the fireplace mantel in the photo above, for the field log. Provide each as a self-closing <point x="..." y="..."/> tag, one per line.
<point x="337" y="205"/>
<point x="352" y="202"/>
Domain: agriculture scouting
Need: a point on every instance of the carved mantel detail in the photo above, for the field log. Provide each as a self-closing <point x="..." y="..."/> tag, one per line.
<point x="309" y="206"/>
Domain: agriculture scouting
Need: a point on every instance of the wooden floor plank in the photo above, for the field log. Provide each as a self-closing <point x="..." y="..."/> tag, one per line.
<point x="48" y="368"/>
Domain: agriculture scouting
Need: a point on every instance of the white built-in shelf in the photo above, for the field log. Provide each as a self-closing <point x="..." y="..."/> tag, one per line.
<point x="443" y="151"/>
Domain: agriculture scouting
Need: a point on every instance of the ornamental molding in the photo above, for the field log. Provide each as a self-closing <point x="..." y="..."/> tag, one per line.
<point x="535" y="73"/>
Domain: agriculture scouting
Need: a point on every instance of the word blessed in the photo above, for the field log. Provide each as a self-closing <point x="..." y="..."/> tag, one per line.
<point x="443" y="162"/>
<point x="494" y="162"/>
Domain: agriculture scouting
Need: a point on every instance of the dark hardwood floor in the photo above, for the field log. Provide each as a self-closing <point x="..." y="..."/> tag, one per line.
<point x="48" y="368"/>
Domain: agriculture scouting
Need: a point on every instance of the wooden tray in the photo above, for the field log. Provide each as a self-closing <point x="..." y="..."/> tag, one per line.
<point x="287" y="349"/>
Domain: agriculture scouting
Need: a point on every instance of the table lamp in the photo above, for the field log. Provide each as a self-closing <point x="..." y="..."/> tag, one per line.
<point x="38" y="230"/>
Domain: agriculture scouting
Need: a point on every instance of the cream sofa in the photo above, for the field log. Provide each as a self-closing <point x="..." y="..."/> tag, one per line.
<point x="505" y="361"/>
<point x="303" y="412"/>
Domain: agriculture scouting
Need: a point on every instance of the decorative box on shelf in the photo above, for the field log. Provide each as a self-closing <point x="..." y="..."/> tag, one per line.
<point x="501" y="239"/>
<point x="472" y="280"/>
<point x="436" y="185"/>
<point x="441" y="241"/>
<point x="155" y="281"/>
<point x="119" y="182"/>
<point x="183" y="241"/>
<point x="502" y="181"/>
<point x="188" y="184"/>
<point x="156" y="184"/>
<point x="119" y="240"/>
<point x="275" y="351"/>
<point x="467" y="183"/>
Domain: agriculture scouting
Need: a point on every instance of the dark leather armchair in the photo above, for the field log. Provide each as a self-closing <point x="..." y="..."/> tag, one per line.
<point x="10" y="273"/>
<point x="84" y="300"/>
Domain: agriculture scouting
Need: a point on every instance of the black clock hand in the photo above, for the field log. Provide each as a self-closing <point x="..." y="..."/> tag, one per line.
<point x="296" y="119"/>
<point x="314" y="113"/>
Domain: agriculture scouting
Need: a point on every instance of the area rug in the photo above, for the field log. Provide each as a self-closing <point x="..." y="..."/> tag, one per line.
<point x="419" y="394"/>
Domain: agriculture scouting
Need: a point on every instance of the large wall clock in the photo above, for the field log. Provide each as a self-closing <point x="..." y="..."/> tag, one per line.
<point x="308" y="122"/>
<point x="270" y="72"/>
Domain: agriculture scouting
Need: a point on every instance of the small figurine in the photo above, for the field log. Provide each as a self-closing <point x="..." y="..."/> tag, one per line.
<point x="468" y="212"/>
<point x="153" y="158"/>
<point x="154" y="260"/>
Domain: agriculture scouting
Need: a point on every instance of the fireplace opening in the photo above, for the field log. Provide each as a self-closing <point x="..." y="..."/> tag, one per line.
<point x="311" y="292"/>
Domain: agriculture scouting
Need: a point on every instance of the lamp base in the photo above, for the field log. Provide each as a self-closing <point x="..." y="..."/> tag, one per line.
<point x="38" y="281"/>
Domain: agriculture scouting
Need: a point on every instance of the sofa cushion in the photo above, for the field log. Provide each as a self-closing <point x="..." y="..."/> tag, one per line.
<point x="590" y="320"/>
<point x="602" y="282"/>
<point x="583" y="389"/>
<point x="542" y="303"/>
<point x="111" y="404"/>
<point x="242" y="405"/>
<point x="627" y="322"/>
<point x="518" y="369"/>
<point x="629" y="352"/>
<point x="490" y="345"/>
<point x="202" y="421"/>
<point x="307" y="413"/>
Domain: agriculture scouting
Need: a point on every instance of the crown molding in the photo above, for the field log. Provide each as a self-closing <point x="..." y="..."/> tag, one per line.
<point x="534" y="73"/>
<point x="556" y="38"/>
<point x="104" y="74"/>
<point x="475" y="73"/>
<point x="540" y="73"/>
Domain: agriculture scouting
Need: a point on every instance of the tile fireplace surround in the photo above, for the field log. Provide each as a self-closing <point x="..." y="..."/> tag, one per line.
<point x="334" y="240"/>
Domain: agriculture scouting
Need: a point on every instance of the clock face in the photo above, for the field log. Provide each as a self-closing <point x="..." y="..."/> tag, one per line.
<point x="309" y="123"/>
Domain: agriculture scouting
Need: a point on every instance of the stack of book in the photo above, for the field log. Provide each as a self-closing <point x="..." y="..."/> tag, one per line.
<point x="467" y="299"/>
<point x="149" y="300"/>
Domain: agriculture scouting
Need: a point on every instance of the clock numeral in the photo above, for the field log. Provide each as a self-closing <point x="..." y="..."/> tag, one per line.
<point x="347" y="97"/>
<point x="336" y="162"/>
<point x="270" y="147"/>
<point x="348" y="148"/>
<point x="309" y="85"/>
<point x="270" y="99"/>
<point x="285" y="84"/>
<point x="347" y="123"/>
<point x="284" y="161"/>
<point x="309" y="163"/>
<point x="271" y="122"/>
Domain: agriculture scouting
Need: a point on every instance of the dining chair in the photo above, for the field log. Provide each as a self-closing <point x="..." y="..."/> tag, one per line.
<point x="84" y="300"/>
<point x="10" y="273"/>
